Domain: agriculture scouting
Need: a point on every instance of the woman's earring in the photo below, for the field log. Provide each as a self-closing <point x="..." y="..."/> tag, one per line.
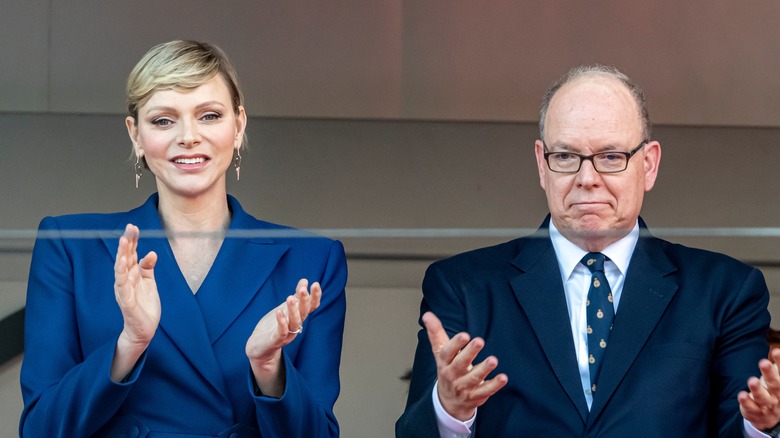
<point x="237" y="164"/>
<point x="138" y="172"/>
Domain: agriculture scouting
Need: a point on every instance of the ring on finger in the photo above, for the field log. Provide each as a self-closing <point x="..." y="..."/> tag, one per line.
<point x="297" y="331"/>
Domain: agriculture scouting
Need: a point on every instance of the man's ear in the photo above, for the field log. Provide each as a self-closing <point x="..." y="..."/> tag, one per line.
<point x="651" y="163"/>
<point x="541" y="163"/>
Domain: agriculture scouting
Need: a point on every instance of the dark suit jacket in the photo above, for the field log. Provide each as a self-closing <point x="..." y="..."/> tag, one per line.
<point x="689" y="331"/>
<point x="194" y="379"/>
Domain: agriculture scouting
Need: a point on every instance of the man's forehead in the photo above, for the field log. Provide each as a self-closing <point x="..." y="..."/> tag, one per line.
<point x="594" y="104"/>
<point x="598" y="85"/>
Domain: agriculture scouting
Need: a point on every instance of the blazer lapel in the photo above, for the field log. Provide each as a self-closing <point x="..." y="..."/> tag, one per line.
<point x="239" y="272"/>
<point x="539" y="291"/>
<point x="181" y="318"/>
<point x="647" y="292"/>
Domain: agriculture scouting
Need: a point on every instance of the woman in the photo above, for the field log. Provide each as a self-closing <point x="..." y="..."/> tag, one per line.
<point x="200" y="337"/>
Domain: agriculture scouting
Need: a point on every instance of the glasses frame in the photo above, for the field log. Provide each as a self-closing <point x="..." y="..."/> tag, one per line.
<point x="582" y="157"/>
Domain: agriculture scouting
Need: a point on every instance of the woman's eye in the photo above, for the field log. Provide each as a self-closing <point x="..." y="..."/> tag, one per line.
<point x="210" y="117"/>
<point x="161" y="122"/>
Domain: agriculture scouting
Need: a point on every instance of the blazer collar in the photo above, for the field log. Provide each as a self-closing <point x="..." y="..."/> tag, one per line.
<point x="539" y="291"/>
<point x="242" y="266"/>
<point x="647" y="291"/>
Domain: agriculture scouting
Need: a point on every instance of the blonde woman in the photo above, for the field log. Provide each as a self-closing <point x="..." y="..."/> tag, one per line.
<point x="208" y="326"/>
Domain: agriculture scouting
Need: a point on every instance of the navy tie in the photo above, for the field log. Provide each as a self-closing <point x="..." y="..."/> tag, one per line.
<point x="601" y="313"/>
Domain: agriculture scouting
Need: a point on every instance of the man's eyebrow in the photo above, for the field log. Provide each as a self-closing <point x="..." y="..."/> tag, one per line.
<point x="565" y="147"/>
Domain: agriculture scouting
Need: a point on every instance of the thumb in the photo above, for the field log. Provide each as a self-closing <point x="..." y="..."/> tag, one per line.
<point x="147" y="263"/>
<point x="436" y="333"/>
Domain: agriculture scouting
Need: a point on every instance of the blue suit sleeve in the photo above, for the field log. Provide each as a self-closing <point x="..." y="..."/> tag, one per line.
<point x="65" y="394"/>
<point x="312" y="377"/>
<point x="419" y="417"/>
<point x="742" y="343"/>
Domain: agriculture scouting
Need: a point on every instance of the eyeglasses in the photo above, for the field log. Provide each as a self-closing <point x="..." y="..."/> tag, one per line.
<point x="603" y="162"/>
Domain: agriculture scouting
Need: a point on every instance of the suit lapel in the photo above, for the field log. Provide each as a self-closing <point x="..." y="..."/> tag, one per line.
<point x="181" y="319"/>
<point x="647" y="292"/>
<point x="242" y="267"/>
<point x="539" y="291"/>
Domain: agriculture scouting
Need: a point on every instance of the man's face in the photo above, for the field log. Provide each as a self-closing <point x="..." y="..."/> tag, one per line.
<point x="590" y="115"/>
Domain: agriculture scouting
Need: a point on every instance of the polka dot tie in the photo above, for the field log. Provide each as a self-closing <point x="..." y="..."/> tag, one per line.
<point x="601" y="313"/>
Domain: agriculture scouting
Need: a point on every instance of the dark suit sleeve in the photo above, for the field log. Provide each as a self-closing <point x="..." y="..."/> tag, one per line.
<point x="742" y="343"/>
<point x="65" y="394"/>
<point x="312" y="385"/>
<point x="419" y="417"/>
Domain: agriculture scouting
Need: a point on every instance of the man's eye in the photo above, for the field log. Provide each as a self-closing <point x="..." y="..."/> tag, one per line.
<point x="564" y="156"/>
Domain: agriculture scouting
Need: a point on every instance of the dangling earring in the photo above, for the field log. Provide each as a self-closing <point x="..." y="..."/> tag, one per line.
<point x="138" y="172"/>
<point x="237" y="164"/>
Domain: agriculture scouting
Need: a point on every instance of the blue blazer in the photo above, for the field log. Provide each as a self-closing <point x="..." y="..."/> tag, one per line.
<point x="689" y="332"/>
<point x="194" y="379"/>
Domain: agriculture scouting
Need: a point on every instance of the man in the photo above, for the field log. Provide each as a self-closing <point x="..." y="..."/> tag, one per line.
<point x="601" y="329"/>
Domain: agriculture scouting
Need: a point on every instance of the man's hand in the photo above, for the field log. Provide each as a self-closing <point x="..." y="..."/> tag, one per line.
<point x="462" y="386"/>
<point x="761" y="406"/>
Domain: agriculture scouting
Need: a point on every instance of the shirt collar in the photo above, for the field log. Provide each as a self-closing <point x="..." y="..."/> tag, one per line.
<point x="569" y="254"/>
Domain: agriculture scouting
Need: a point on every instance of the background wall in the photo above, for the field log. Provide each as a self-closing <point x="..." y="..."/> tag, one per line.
<point x="392" y="115"/>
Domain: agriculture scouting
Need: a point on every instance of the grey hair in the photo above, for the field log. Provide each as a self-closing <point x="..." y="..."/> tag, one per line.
<point x="603" y="70"/>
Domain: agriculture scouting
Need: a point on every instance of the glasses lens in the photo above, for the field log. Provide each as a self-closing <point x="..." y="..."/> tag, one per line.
<point x="563" y="162"/>
<point x="610" y="162"/>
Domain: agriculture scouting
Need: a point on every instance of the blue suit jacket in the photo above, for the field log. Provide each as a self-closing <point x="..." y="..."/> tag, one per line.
<point x="194" y="379"/>
<point x="689" y="332"/>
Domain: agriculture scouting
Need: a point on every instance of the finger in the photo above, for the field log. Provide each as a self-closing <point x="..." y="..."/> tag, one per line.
<point x="449" y="352"/>
<point x="436" y="334"/>
<point x="281" y="324"/>
<point x="769" y="374"/>
<point x="479" y="373"/>
<point x="754" y="412"/>
<point x="304" y="300"/>
<point x="746" y="402"/>
<point x="750" y="410"/>
<point x="131" y="234"/>
<point x="120" y="268"/>
<point x="120" y="265"/>
<point x="316" y="296"/>
<point x="775" y="354"/>
<point x="481" y="393"/>
<point x="758" y="393"/>
<point x="293" y="314"/>
<point x="466" y="355"/>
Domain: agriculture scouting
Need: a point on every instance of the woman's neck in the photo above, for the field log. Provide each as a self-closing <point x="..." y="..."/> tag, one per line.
<point x="204" y="214"/>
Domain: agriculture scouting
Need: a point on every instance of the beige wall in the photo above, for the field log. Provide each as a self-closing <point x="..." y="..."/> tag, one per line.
<point x="392" y="114"/>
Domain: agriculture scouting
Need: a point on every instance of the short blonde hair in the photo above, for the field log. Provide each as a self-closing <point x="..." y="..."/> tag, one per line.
<point x="179" y="65"/>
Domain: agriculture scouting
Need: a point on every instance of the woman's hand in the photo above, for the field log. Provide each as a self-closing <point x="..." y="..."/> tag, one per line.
<point x="276" y="329"/>
<point x="136" y="293"/>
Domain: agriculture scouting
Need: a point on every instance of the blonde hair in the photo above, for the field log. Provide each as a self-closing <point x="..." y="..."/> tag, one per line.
<point x="179" y="65"/>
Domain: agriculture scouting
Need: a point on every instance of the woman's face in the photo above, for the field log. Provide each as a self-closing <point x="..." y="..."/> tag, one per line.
<point x="188" y="137"/>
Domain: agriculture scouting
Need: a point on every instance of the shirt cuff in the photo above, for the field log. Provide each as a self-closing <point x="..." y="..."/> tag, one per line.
<point x="751" y="431"/>
<point x="449" y="426"/>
